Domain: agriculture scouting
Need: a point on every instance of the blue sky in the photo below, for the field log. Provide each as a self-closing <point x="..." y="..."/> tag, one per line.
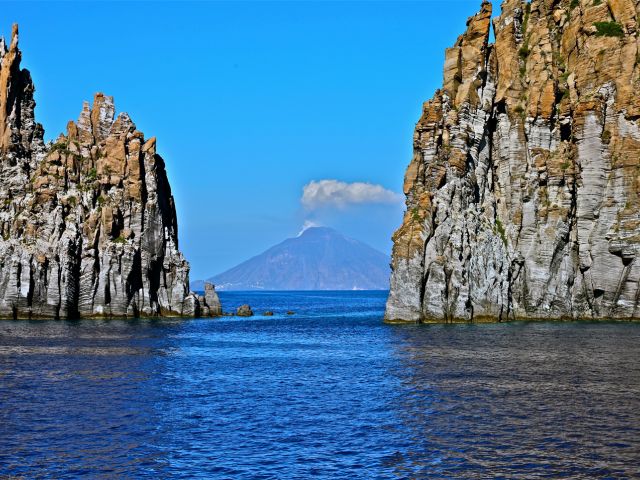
<point x="251" y="102"/>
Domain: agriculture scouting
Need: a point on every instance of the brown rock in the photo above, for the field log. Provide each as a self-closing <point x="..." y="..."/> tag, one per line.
<point x="244" y="311"/>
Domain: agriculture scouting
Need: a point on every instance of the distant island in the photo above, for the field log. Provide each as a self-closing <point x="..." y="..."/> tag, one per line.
<point x="320" y="258"/>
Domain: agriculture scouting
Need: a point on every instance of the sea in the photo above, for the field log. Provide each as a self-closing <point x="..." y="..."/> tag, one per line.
<point x="328" y="392"/>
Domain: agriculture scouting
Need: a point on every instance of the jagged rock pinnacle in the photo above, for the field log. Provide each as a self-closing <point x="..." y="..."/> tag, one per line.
<point x="88" y="223"/>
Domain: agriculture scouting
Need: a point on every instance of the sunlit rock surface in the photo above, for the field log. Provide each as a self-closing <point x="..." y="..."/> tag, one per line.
<point x="88" y="222"/>
<point x="522" y="194"/>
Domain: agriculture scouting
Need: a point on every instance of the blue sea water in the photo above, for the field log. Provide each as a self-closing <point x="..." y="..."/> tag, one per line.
<point x="330" y="392"/>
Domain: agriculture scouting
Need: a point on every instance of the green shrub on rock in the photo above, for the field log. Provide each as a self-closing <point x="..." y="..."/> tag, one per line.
<point x="609" y="29"/>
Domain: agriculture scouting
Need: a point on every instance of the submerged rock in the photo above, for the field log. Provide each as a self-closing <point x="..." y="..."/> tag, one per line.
<point x="88" y="223"/>
<point x="268" y="313"/>
<point x="244" y="311"/>
<point x="523" y="192"/>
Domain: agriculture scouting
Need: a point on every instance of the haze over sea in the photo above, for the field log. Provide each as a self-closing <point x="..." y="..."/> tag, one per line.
<point x="330" y="392"/>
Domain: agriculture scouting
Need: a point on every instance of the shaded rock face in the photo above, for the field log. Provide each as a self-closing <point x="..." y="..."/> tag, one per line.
<point x="88" y="223"/>
<point x="522" y="194"/>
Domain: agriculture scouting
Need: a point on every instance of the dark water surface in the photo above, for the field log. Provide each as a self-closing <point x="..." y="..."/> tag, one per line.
<point x="328" y="393"/>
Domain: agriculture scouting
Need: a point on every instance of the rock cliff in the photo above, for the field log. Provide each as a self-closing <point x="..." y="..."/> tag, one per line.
<point x="88" y="223"/>
<point x="523" y="191"/>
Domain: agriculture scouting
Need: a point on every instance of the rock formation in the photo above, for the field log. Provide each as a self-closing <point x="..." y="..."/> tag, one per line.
<point x="210" y="301"/>
<point x="244" y="311"/>
<point x="88" y="223"/>
<point x="523" y="191"/>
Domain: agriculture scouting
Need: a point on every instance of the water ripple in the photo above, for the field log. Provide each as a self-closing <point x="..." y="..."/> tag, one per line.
<point x="327" y="393"/>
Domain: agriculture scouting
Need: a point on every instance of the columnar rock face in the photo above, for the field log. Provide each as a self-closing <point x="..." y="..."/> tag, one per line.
<point x="523" y="192"/>
<point x="88" y="223"/>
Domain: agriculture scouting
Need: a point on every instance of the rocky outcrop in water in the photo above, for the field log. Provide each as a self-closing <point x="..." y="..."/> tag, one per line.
<point x="523" y="192"/>
<point x="244" y="311"/>
<point x="88" y="223"/>
<point x="210" y="301"/>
